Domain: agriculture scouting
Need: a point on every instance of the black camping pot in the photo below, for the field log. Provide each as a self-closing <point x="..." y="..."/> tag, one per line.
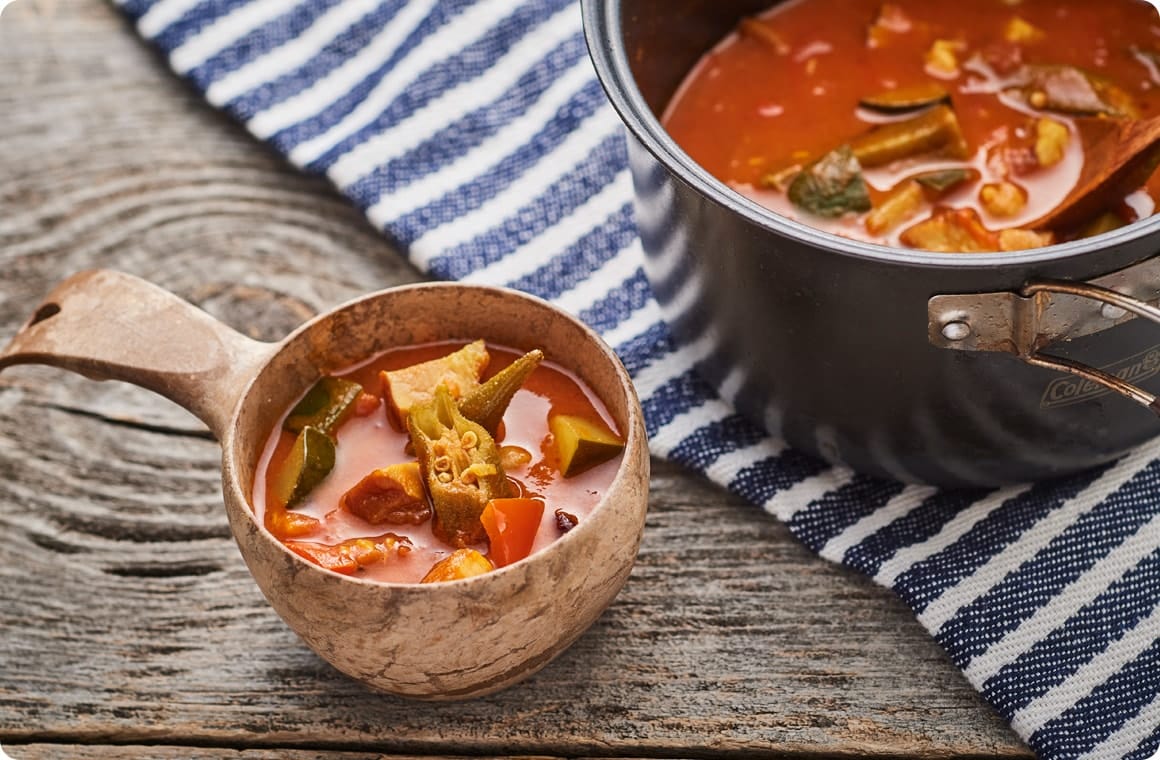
<point x="950" y="369"/>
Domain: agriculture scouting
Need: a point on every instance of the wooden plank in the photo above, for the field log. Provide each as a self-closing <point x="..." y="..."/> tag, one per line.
<point x="128" y="615"/>
<point x="155" y="752"/>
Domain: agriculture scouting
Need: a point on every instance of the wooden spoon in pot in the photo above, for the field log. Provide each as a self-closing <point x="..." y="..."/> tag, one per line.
<point x="1119" y="156"/>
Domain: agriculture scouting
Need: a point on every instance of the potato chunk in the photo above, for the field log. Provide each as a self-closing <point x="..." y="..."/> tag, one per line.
<point x="942" y="59"/>
<point x="460" y="564"/>
<point x="951" y="231"/>
<point x="1003" y="198"/>
<point x="891" y="20"/>
<point x="1051" y="140"/>
<point x="459" y="372"/>
<point x="1020" y="240"/>
<point x="1020" y="31"/>
<point x="896" y="209"/>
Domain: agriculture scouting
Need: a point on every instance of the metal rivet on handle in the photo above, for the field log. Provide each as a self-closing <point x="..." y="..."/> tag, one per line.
<point x="956" y="330"/>
<point x="1110" y="311"/>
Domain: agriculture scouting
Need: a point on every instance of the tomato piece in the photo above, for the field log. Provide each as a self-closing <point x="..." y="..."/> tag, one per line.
<point x="511" y="526"/>
<point x="392" y="494"/>
<point x="349" y="556"/>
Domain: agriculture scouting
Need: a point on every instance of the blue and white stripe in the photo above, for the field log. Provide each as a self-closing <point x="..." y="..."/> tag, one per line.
<point x="474" y="133"/>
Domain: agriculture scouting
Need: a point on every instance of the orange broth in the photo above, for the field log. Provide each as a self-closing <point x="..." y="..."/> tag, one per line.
<point x="364" y="443"/>
<point x="749" y="109"/>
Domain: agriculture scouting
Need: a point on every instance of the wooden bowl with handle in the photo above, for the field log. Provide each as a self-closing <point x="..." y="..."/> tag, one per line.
<point x="437" y="641"/>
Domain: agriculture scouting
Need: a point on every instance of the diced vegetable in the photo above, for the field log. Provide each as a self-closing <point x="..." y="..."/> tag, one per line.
<point x="348" y="557"/>
<point x="392" y="494"/>
<point x="1020" y="239"/>
<point x="831" y="186"/>
<point x="459" y="372"/>
<point x="460" y="564"/>
<point x="325" y="406"/>
<point x="1020" y="31"/>
<point x="1105" y="222"/>
<point x="942" y="60"/>
<point x="1051" y="139"/>
<point x="1070" y="90"/>
<point x="936" y="129"/>
<point x="366" y="404"/>
<point x="284" y="524"/>
<point x="781" y="179"/>
<point x="460" y="465"/>
<point x="763" y="33"/>
<point x="511" y="526"/>
<point x="891" y="20"/>
<point x="439" y="483"/>
<point x="943" y="181"/>
<point x="905" y="99"/>
<point x="899" y="206"/>
<point x="310" y="460"/>
<point x="1003" y="198"/>
<point x="513" y="457"/>
<point x="951" y="231"/>
<point x="1002" y="56"/>
<point x="582" y="443"/>
<point x="487" y="403"/>
<point x="565" y="521"/>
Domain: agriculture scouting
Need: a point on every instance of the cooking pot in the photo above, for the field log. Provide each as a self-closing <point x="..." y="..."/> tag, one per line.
<point x="949" y="369"/>
<point x="433" y="641"/>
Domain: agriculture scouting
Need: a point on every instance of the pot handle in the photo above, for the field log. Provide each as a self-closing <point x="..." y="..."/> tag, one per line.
<point x="1023" y="323"/>
<point x="108" y="325"/>
<point x="1115" y="300"/>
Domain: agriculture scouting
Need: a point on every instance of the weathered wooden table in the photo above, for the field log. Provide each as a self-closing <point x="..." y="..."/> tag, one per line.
<point x="129" y="626"/>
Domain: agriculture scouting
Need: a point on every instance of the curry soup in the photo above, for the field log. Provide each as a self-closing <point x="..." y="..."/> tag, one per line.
<point x="938" y="126"/>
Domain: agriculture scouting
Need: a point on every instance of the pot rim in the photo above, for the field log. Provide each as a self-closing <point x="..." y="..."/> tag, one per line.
<point x="603" y="32"/>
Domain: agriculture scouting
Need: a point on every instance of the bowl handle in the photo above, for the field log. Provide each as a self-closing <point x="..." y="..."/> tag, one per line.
<point x="113" y="326"/>
<point x="1041" y="312"/>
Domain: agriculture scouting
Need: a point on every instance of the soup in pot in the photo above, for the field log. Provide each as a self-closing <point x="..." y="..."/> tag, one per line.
<point x="950" y="127"/>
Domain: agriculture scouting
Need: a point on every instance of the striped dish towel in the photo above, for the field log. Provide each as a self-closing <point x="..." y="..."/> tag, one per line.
<point x="474" y="133"/>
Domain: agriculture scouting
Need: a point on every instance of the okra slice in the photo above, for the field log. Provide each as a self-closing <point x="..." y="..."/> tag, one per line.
<point x="942" y="181"/>
<point x="460" y="464"/>
<point x="487" y="403"/>
<point x="310" y="460"/>
<point x="906" y="99"/>
<point x="581" y="443"/>
<point x="325" y="406"/>
<point x="936" y="129"/>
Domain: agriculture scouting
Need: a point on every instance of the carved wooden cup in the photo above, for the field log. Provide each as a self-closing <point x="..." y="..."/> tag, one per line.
<point x="436" y="641"/>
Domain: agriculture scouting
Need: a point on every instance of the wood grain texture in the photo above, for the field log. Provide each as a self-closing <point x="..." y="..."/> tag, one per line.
<point x="127" y="613"/>
<point x="154" y="752"/>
